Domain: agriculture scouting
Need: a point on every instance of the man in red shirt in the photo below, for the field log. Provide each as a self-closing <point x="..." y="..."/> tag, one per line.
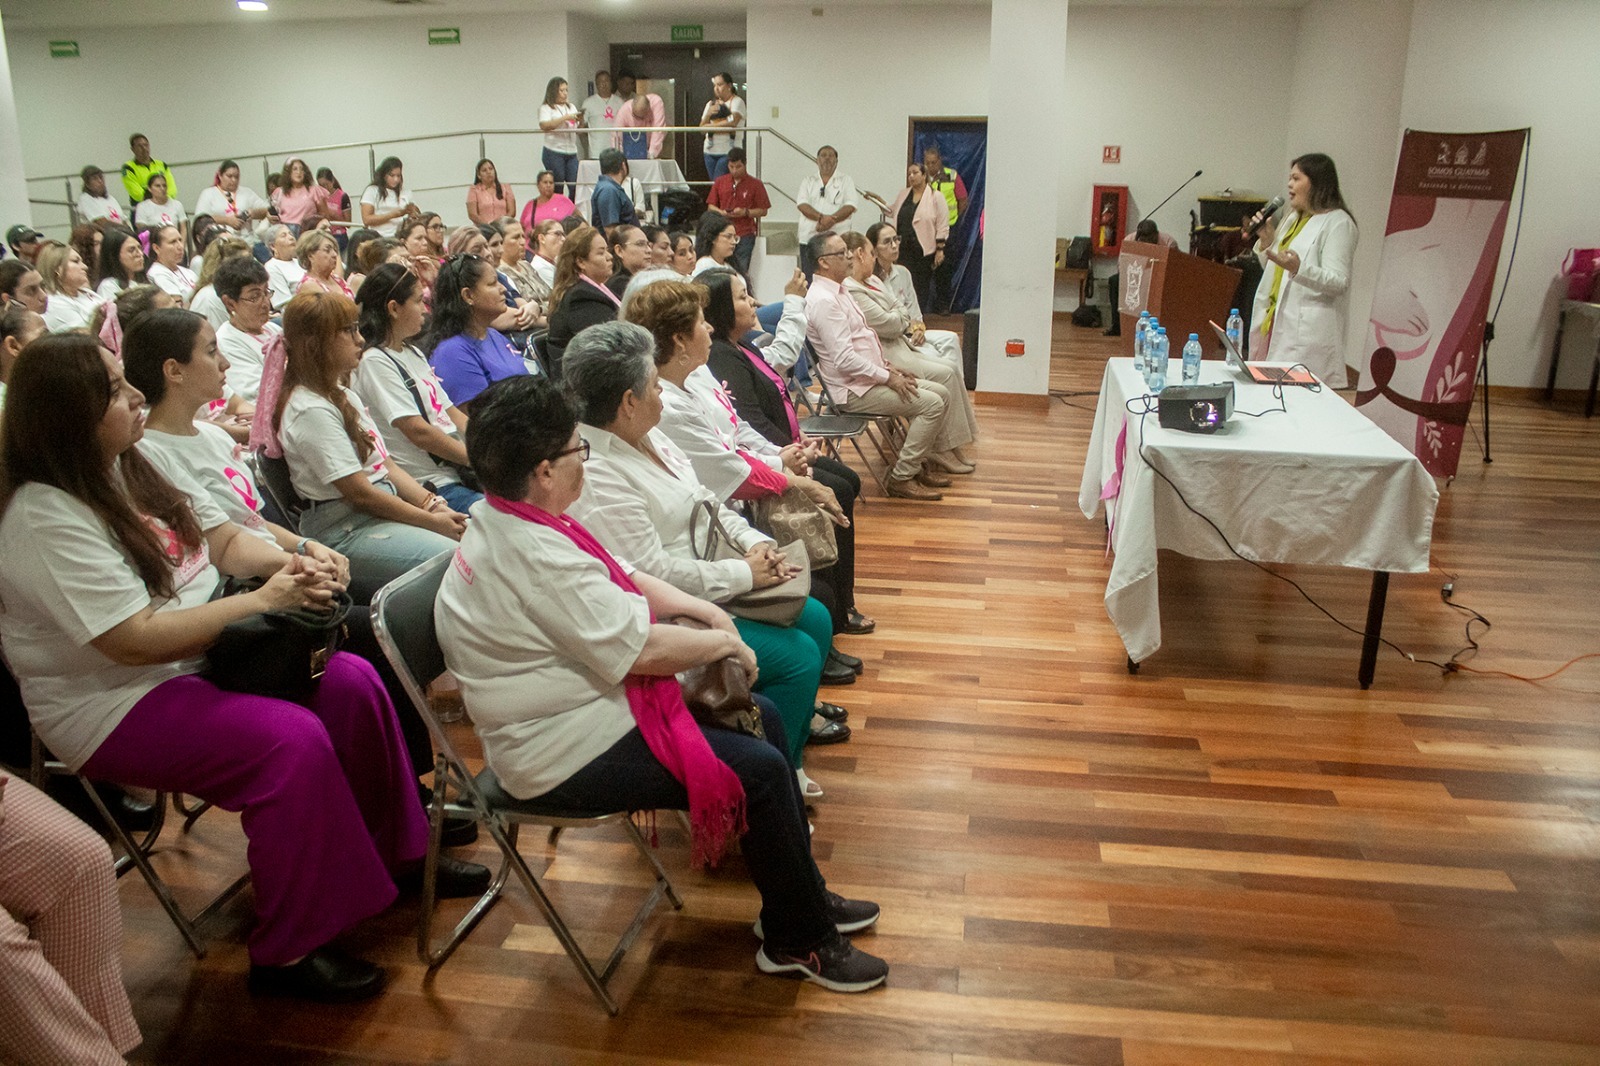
<point x="743" y="198"/>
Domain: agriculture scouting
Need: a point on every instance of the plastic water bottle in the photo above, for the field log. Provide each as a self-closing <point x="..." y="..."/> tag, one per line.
<point x="1156" y="362"/>
<point x="1235" y="330"/>
<point x="1191" y="360"/>
<point x="1139" y="329"/>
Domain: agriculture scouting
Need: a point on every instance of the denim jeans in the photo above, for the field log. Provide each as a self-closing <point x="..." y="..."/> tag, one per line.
<point x="457" y="495"/>
<point x="716" y="165"/>
<point x="565" y="168"/>
<point x="742" y="253"/>
<point x="379" y="550"/>
<point x="777" y="845"/>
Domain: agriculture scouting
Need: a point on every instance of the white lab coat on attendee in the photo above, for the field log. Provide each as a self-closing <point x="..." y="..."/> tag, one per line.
<point x="1309" y="326"/>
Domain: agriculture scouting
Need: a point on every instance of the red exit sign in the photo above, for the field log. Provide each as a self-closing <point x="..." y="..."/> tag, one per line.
<point x="1111" y="153"/>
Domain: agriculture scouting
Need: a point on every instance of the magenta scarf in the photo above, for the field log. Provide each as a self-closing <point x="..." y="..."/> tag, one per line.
<point x="716" y="798"/>
<point x="773" y="376"/>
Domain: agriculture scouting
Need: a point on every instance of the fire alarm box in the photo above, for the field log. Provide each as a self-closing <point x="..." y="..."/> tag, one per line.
<point x="1108" y="222"/>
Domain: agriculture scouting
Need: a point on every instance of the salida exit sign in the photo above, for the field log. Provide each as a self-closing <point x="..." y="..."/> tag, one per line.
<point x="1111" y="153"/>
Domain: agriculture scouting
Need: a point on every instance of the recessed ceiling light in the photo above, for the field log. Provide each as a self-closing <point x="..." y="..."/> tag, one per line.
<point x="252" y="5"/>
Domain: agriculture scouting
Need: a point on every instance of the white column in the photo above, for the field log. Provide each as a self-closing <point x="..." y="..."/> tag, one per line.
<point x="14" y="207"/>
<point x="1028" y="122"/>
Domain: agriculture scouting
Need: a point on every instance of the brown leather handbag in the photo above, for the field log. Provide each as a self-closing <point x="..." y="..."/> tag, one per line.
<point x="792" y="516"/>
<point x="718" y="693"/>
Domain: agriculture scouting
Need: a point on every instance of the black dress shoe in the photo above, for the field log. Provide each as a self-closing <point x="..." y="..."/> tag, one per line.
<point x="837" y="673"/>
<point x="457" y="832"/>
<point x="455" y="879"/>
<point x="837" y="656"/>
<point x="324" y="976"/>
<point x="833" y="712"/>
<point x="858" y="624"/>
<point x="825" y="732"/>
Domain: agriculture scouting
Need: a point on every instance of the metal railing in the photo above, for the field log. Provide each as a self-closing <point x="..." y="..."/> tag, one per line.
<point x="427" y="172"/>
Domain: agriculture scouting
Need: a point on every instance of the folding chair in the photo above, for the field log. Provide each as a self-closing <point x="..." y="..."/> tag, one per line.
<point x="136" y="853"/>
<point x="539" y="350"/>
<point x="829" y="428"/>
<point x="402" y="616"/>
<point x="883" y="431"/>
<point x="273" y="475"/>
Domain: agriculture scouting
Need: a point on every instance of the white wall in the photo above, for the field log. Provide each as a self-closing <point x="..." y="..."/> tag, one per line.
<point x="1356" y="120"/>
<point x="14" y="207"/>
<point x="1499" y="64"/>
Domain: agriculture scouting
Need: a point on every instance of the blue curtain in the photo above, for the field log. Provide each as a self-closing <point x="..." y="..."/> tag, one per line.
<point x="965" y="148"/>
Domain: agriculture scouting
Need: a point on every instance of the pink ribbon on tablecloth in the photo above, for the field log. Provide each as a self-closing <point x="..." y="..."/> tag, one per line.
<point x="1113" y="485"/>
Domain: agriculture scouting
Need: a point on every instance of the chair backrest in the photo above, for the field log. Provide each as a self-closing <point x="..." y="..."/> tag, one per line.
<point x="273" y="475"/>
<point x="402" y="620"/>
<point x="540" y="347"/>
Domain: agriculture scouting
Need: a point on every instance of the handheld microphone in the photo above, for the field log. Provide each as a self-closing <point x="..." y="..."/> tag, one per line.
<point x="1266" y="213"/>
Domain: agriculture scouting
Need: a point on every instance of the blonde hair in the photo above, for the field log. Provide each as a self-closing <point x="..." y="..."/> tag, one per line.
<point x="669" y="310"/>
<point x="51" y="261"/>
<point x="309" y="242"/>
<point x="224" y="247"/>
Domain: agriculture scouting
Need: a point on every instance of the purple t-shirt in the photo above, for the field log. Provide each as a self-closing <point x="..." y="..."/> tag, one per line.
<point x="467" y="366"/>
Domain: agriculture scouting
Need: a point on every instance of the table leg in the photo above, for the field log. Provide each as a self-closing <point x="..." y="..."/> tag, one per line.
<point x="1555" y="357"/>
<point x="1369" y="643"/>
<point x="1133" y="667"/>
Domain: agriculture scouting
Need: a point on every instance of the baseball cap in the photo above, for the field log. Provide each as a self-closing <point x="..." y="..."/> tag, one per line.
<point x="18" y="235"/>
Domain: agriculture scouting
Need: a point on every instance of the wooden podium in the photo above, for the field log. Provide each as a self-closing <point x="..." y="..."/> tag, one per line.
<point x="1184" y="291"/>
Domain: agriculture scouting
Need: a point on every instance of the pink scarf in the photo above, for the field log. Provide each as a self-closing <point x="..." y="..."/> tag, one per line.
<point x="716" y="798"/>
<point x="263" y="436"/>
<point x="609" y="294"/>
<point x="783" y="390"/>
<point x="111" y="330"/>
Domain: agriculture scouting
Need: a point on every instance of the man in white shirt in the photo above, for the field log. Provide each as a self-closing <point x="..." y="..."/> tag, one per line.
<point x="242" y="285"/>
<point x="600" y="112"/>
<point x="95" y="206"/>
<point x="723" y="112"/>
<point x="850" y="359"/>
<point x="827" y="200"/>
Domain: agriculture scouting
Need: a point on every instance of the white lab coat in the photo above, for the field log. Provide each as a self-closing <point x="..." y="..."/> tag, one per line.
<point x="1309" y="326"/>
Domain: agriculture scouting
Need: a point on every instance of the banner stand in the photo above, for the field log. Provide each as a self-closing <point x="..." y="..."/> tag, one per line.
<point x="1483" y="372"/>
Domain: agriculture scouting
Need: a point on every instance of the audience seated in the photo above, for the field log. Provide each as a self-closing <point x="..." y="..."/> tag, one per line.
<point x="359" y="502"/>
<point x="242" y="285"/>
<point x="86" y="240"/>
<point x="66" y="279"/>
<point x="581" y="708"/>
<point x="112" y="318"/>
<point x="159" y="209"/>
<point x="465" y="348"/>
<point x="579" y="294"/>
<point x="318" y="254"/>
<point x="897" y="279"/>
<point x="630" y="253"/>
<point x="205" y="300"/>
<point x="610" y="204"/>
<point x="716" y="239"/>
<point x="419" y="425"/>
<point x="121" y="262"/>
<point x="21" y="283"/>
<point x="19" y="327"/>
<point x="683" y="252"/>
<point x="95" y="205"/>
<point x="519" y="275"/>
<point x="108" y="607"/>
<point x="230" y="204"/>
<point x="284" y="274"/>
<point x="660" y="246"/>
<point x="549" y="205"/>
<point x="61" y="997"/>
<point x="355" y="271"/>
<point x="166" y="271"/>
<point x="548" y="237"/>
<point x="863" y="382"/>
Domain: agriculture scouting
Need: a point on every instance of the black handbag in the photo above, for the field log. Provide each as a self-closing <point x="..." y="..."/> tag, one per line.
<point x="281" y="654"/>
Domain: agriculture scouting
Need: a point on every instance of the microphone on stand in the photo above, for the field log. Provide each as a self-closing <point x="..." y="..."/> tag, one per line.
<point x="1163" y="203"/>
<point x="1265" y="213"/>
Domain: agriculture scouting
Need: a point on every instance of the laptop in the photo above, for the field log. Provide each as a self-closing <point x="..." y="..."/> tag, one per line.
<point x="1261" y="375"/>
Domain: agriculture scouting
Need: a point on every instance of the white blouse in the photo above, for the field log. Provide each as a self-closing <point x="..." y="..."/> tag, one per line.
<point x="707" y="430"/>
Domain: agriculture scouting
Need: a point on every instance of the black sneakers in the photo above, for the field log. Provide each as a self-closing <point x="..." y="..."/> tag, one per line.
<point x="849" y="915"/>
<point x="836" y="965"/>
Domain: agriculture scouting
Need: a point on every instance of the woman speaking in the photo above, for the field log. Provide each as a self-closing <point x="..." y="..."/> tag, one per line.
<point x="1303" y="297"/>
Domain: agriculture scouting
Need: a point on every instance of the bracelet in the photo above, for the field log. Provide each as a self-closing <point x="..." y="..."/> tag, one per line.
<point x="300" y="549"/>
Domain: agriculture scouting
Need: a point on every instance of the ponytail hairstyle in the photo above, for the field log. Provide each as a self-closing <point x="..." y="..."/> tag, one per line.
<point x="452" y="314"/>
<point x="57" y="396"/>
<point x="390" y="282"/>
<point x="132" y="304"/>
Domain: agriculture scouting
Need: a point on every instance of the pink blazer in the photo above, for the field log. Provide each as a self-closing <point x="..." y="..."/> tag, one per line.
<point x="931" y="221"/>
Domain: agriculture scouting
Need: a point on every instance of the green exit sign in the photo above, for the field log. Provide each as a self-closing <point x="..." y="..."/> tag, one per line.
<point x="63" y="49"/>
<point x="688" y="33"/>
<point x="444" y="35"/>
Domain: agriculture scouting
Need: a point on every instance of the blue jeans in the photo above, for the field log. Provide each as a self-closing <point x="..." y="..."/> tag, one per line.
<point x="565" y="168"/>
<point x="379" y="550"/>
<point x="458" y="496"/>
<point x="716" y="165"/>
<point x="742" y="253"/>
<point x="777" y="845"/>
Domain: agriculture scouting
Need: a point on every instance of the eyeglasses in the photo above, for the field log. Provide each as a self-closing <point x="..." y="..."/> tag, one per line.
<point x="826" y="255"/>
<point x="583" y="446"/>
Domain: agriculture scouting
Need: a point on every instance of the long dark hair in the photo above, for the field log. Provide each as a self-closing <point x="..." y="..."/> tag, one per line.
<point x="1324" y="177"/>
<point x="389" y="163"/>
<point x="712" y="223"/>
<point x="312" y="321"/>
<point x="111" y="256"/>
<point x="719" y="311"/>
<point x="327" y="172"/>
<point x="499" y="187"/>
<point x="451" y="313"/>
<point x="152" y="339"/>
<point x="57" y="396"/>
<point x="552" y="89"/>
<point x="391" y="281"/>
<point x="353" y="245"/>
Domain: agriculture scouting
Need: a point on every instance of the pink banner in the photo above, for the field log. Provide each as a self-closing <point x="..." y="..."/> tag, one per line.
<point x="1441" y="248"/>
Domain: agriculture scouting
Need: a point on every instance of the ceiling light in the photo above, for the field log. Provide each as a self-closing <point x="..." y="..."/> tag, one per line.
<point x="252" y="5"/>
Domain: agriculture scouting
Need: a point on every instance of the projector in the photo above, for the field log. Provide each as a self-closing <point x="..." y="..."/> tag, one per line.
<point x="1195" y="408"/>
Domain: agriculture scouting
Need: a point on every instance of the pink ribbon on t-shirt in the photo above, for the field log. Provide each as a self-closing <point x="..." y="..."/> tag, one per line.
<point x="241" y="485"/>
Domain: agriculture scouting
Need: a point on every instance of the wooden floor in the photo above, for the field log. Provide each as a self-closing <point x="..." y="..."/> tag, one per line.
<point x="1235" y="857"/>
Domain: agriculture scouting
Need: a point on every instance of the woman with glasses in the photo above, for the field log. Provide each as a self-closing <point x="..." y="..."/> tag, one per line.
<point x="205" y="300"/>
<point x="462" y="343"/>
<point x="579" y="295"/>
<point x="548" y="237"/>
<point x="434" y="227"/>
<point x="885" y="241"/>
<point x="360" y="502"/>
<point x="715" y="242"/>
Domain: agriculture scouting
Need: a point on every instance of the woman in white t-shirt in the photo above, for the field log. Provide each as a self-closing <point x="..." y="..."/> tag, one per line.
<point x="385" y="201"/>
<point x="121" y="262"/>
<point x="560" y="121"/>
<point x="168" y="271"/>
<point x="66" y="279"/>
<point x="108" y="611"/>
<point x="94" y="205"/>
<point x="360" y="502"/>
<point x="158" y="209"/>
<point x="231" y="205"/>
<point x="284" y="272"/>
<point x="424" y="432"/>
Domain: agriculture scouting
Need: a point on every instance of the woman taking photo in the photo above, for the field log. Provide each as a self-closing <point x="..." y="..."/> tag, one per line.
<point x="922" y="220"/>
<point x="579" y="295"/>
<point x="1306" y="260"/>
<point x="422" y="429"/>
<point x="385" y="202"/>
<point x="66" y="279"/>
<point x="549" y="205"/>
<point x="166" y="270"/>
<point x="121" y="262"/>
<point x="488" y="199"/>
<point x="582" y="710"/>
<point x="359" y="502"/>
<point x="338" y="199"/>
<point x="559" y="120"/>
<point x="108" y="612"/>
<point x="227" y="204"/>
<point x="465" y="348"/>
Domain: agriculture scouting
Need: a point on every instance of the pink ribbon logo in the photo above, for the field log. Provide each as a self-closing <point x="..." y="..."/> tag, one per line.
<point x="242" y="486"/>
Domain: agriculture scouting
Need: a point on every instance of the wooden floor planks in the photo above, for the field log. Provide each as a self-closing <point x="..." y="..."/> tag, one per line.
<point x="1236" y="857"/>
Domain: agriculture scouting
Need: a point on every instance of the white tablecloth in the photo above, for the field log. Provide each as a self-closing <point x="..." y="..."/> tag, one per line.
<point x="1319" y="485"/>
<point x="654" y="174"/>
